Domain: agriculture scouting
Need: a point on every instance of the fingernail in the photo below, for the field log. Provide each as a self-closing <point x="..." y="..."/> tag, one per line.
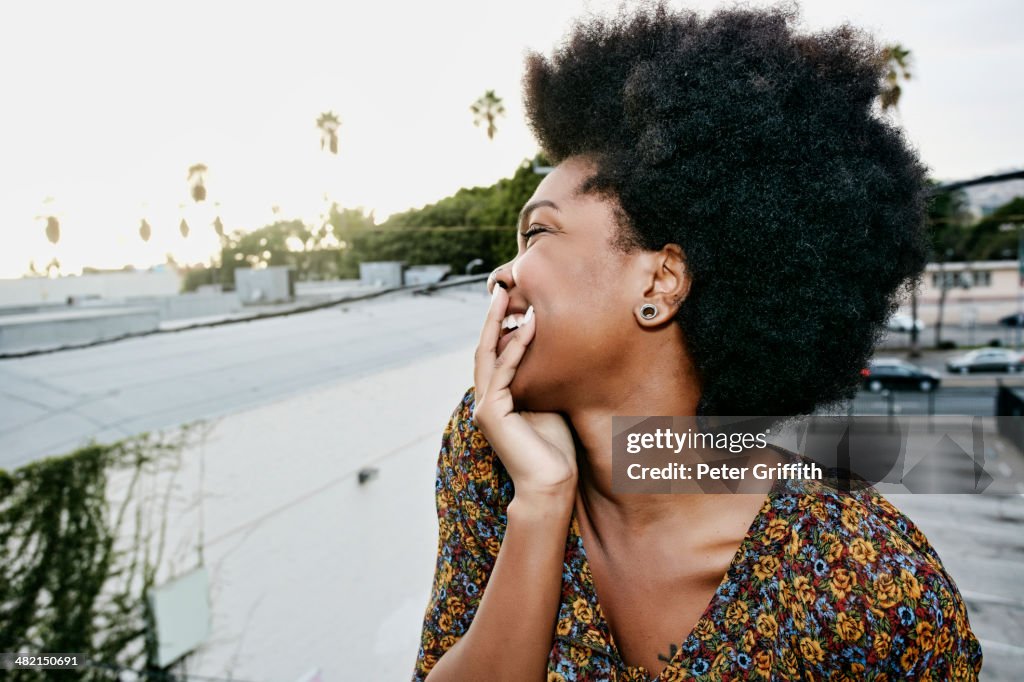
<point x="529" y="315"/>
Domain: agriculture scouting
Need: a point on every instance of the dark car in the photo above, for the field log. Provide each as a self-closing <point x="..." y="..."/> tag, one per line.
<point x="986" y="360"/>
<point x="899" y="375"/>
<point x="1015" y="320"/>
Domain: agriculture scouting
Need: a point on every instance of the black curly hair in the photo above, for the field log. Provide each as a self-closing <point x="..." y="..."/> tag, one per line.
<point x="800" y="210"/>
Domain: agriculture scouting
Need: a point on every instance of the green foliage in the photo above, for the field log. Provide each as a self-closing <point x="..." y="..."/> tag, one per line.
<point x="987" y="241"/>
<point x="455" y="246"/>
<point x="498" y="204"/>
<point x="949" y="219"/>
<point x="477" y="222"/>
<point x="74" y="576"/>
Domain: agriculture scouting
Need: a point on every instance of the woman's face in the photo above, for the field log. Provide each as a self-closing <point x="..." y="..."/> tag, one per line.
<point x="576" y="283"/>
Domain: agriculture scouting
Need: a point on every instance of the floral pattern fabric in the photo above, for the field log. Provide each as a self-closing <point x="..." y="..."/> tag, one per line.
<point x="826" y="585"/>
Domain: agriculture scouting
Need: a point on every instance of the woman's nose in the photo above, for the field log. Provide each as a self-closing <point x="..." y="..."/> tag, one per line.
<point x="499" y="278"/>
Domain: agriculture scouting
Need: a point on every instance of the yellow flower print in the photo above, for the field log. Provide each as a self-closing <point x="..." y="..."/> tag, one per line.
<point x="554" y="676"/>
<point x="811" y="650"/>
<point x="882" y="645"/>
<point x="849" y="626"/>
<point x="776" y="529"/>
<point x="790" y="662"/>
<point x="909" y="658"/>
<point x="579" y="655"/>
<point x="794" y="543"/>
<point x="456" y="608"/>
<point x="835" y="548"/>
<point x="564" y="626"/>
<point x="925" y="635"/>
<point x="481" y="471"/>
<point x="863" y="551"/>
<point x="593" y="638"/>
<point x="448" y="641"/>
<point x="944" y="642"/>
<point x="673" y="674"/>
<point x="887" y="592"/>
<point x="765" y="567"/>
<point x="749" y="639"/>
<point x="478" y="441"/>
<point x="900" y="545"/>
<point x="582" y="610"/>
<point x="851" y="519"/>
<point x="842" y="583"/>
<point x="493" y="545"/>
<point x="767" y="626"/>
<point x="804" y="590"/>
<point x="705" y="629"/>
<point x="763" y="661"/>
<point x="444" y="621"/>
<point x="736" y="613"/>
<point x="910" y="584"/>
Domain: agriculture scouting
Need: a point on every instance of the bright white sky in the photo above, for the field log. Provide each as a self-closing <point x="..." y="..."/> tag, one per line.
<point x="106" y="105"/>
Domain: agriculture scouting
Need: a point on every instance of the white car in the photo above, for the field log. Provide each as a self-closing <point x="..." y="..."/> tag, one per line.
<point x="904" y="323"/>
<point x="986" y="360"/>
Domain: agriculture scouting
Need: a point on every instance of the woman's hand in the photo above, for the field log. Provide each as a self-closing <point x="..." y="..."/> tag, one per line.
<point x="536" y="448"/>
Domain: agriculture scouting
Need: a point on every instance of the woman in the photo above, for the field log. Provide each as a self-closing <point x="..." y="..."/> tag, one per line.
<point x="726" y="232"/>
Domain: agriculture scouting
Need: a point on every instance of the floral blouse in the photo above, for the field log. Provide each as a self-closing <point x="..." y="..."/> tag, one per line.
<point x="826" y="585"/>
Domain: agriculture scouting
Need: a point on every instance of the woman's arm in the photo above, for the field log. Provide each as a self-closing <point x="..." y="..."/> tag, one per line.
<point x="512" y="632"/>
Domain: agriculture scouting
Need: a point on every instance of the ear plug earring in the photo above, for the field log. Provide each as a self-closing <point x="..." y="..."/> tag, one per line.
<point x="648" y="311"/>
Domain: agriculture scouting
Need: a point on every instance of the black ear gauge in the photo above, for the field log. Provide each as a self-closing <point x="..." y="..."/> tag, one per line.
<point x="502" y="285"/>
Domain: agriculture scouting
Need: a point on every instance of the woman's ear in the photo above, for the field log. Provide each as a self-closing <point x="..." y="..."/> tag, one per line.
<point x="674" y="276"/>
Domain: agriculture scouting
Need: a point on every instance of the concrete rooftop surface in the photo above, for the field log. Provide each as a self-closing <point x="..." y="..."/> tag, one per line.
<point x="310" y="569"/>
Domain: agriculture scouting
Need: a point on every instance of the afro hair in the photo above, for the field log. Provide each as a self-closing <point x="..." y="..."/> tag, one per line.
<point x="800" y="210"/>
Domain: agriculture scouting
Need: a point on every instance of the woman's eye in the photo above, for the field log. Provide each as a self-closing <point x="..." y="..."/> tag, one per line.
<point x="532" y="231"/>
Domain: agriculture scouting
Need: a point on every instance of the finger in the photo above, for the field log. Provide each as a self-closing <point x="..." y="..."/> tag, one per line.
<point x="486" y="352"/>
<point x="508" y="362"/>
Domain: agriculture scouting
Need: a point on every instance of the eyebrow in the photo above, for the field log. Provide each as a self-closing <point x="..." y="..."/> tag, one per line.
<point x="531" y="207"/>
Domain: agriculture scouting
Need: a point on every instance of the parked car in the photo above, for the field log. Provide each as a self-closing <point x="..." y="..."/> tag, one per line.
<point x="1015" y="320"/>
<point x="986" y="360"/>
<point x="899" y="375"/>
<point x="903" y="323"/>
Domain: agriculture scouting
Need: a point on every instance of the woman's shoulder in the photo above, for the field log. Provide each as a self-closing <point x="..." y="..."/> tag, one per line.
<point x="861" y="577"/>
<point x="469" y="474"/>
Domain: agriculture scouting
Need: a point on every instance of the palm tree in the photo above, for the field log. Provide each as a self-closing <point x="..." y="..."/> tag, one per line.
<point x="197" y="178"/>
<point x="328" y="123"/>
<point x="145" y="231"/>
<point x="487" y="109"/>
<point x="52" y="229"/>
<point x="897" y="59"/>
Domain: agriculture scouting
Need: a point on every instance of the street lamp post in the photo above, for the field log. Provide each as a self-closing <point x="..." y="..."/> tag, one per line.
<point x="1020" y="286"/>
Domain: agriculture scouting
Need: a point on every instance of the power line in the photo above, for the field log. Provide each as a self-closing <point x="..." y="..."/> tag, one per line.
<point x="988" y="179"/>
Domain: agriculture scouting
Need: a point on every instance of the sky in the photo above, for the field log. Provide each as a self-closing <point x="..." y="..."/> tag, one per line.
<point x="107" y="104"/>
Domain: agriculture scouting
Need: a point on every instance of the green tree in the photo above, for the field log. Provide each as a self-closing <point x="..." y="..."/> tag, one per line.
<point x="197" y="181"/>
<point x="897" y="59"/>
<point x="487" y="109"/>
<point x="496" y="205"/>
<point x="989" y="240"/>
<point x="52" y="229"/>
<point x="948" y="218"/>
<point x="328" y="123"/>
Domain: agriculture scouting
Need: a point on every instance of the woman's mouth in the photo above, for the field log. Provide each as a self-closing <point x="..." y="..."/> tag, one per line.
<point x="509" y="326"/>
